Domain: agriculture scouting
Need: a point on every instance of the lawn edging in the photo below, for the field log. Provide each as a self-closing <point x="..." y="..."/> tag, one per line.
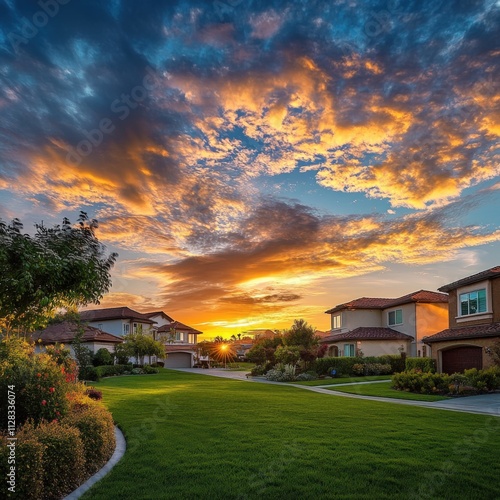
<point x="120" y="448"/>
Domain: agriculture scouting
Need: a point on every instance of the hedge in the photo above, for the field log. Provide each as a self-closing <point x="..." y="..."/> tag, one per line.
<point x="97" y="432"/>
<point x="95" y="373"/>
<point x="422" y="364"/>
<point x="63" y="458"/>
<point x="345" y="365"/>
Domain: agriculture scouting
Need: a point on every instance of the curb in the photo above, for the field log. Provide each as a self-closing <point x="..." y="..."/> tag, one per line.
<point x="121" y="446"/>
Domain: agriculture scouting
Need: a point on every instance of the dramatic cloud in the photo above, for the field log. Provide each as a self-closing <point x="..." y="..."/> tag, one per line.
<point x="182" y="126"/>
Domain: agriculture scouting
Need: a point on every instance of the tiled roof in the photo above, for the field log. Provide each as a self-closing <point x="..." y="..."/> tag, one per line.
<point x="65" y="332"/>
<point x="158" y="313"/>
<point x="465" y="332"/>
<point x="180" y="327"/>
<point x="368" y="333"/>
<point x="491" y="273"/>
<point x="113" y="313"/>
<point x="361" y="303"/>
<point x="425" y="296"/>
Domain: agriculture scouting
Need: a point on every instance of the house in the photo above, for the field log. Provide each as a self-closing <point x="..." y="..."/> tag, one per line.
<point x="65" y="332"/>
<point x="119" y="321"/>
<point x="474" y="323"/>
<point x="180" y="344"/>
<point x="377" y="326"/>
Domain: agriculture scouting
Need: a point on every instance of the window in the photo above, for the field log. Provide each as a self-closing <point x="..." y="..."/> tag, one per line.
<point x="396" y="317"/>
<point x="349" y="350"/>
<point x="424" y="351"/>
<point x="473" y="302"/>
<point x="126" y="329"/>
<point x="135" y="328"/>
<point x="178" y="336"/>
<point x="336" y="321"/>
<point x="191" y="338"/>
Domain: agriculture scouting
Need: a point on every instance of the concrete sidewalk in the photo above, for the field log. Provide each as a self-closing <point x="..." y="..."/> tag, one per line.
<point x="486" y="404"/>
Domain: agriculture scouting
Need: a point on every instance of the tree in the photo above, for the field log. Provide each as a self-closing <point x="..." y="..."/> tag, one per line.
<point x="62" y="266"/>
<point x="301" y="334"/>
<point x="288" y="355"/>
<point x="139" y="345"/>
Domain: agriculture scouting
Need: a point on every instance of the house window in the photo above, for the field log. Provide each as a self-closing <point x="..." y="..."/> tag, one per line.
<point x="424" y="351"/>
<point x="336" y="321"/>
<point x="126" y="329"/>
<point x="191" y="338"/>
<point x="473" y="302"/>
<point x="349" y="350"/>
<point x="135" y="328"/>
<point x="178" y="336"/>
<point x="396" y="317"/>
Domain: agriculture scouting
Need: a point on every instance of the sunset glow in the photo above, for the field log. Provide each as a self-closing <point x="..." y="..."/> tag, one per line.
<point x="260" y="162"/>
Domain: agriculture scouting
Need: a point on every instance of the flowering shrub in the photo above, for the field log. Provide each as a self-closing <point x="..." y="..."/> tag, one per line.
<point x="93" y="394"/>
<point x="281" y="373"/>
<point x="422" y="364"/>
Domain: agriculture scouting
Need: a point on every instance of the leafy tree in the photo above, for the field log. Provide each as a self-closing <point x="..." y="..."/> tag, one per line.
<point x="301" y="334"/>
<point x="494" y="352"/>
<point x="257" y="355"/>
<point x="288" y="355"/>
<point x="62" y="266"/>
<point x="139" y="345"/>
<point x="83" y="355"/>
<point x="102" y="357"/>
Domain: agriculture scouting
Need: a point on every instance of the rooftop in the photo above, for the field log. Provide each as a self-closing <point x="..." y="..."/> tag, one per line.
<point x="65" y="332"/>
<point x="368" y="333"/>
<point x="491" y="273"/>
<point x="465" y="332"/>
<point x="114" y="313"/>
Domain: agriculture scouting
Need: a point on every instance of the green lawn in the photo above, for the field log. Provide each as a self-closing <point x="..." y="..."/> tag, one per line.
<point x="240" y="366"/>
<point x="198" y="437"/>
<point x="384" y="390"/>
<point x="343" y="380"/>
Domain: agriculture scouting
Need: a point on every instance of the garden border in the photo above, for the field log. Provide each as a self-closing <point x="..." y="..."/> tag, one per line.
<point x="121" y="446"/>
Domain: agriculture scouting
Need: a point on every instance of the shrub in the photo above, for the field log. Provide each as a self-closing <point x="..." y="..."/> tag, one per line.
<point x="358" y="369"/>
<point x="97" y="433"/>
<point x="305" y="377"/>
<point x="63" y="458"/>
<point x="422" y="364"/>
<point x="102" y="358"/>
<point x="40" y="387"/>
<point x="148" y="370"/>
<point x="283" y="373"/>
<point x="257" y="370"/>
<point x="29" y="453"/>
<point x="137" y="371"/>
<point x="159" y="364"/>
<point x="93" y="394"/>
<point x="343" y="365"/>
<point x="89" y="372"/>
<point x="287" y="354"/>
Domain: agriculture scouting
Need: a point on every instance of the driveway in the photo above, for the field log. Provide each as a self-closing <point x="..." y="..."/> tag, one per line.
<point x="486" y="404"/>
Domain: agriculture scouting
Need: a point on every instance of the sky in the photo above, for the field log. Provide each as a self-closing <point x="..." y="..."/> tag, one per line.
<point x="256" y="162"/>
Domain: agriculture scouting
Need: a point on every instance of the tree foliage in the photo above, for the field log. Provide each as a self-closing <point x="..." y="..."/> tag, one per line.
<point x="62" y="266"/>
<point x="301" y="334"/>
<point x="139" y="345"/>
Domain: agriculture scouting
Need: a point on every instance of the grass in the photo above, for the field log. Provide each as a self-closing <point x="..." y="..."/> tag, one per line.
<point x="383" y="389"/>
<point x="194" y="436"/>
<point x="240" y="366"/>
<point x="343" y="380"/>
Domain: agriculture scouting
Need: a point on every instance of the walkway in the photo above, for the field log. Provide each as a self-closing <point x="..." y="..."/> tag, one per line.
<point x="486" y="404"/>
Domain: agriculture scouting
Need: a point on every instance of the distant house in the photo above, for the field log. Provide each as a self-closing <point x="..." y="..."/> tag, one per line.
<point x="377" y="326"/>
<point x="65" y="332"/>
<point x="179" y="339"/>
<point x="474" y="323"/>
<point x="119" y="321"/>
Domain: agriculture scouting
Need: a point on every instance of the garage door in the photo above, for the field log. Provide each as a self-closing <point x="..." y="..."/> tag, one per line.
<point x="462" y="358"/>
<point x="178" y="360"/>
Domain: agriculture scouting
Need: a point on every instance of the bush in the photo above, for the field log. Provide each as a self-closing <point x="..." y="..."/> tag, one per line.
<point x="257" y="371"/>
<point x="111" y="370"/>
<point x="93" y="394"/>
<point x="97" y="432"/>
<point x="40" y="387"/>
<point x="29" y="453"/>
<point x="343" y="365"/>
<point x="305" y="376"/>
<point x="281" y="373"/>
<point x="422" y="364"/>
<point x="63" y="458"/>
<point x="159" y="364"/>
<point x="137" y="371"/>
<point x="102" y="358"/>
<point x="89" y="372"/>
<point x="287" y="354"/>
<point x="148" y="370"/>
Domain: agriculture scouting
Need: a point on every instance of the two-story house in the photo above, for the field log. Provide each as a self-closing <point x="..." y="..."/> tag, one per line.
<point x="377" y="326"/>
<point x="118" y="320"/>
<point x="474" y="323"/>
<point x="180" y="340"/>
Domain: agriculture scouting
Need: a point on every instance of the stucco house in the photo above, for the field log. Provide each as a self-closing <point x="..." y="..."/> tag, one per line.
<point x="119" y="321"/>
<point x="378" y="326"/>
<point x="474" y="323"/>
<point x="65" y="332"/>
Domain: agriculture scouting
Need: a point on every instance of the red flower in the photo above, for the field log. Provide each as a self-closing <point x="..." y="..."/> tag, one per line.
<point x="44" y="402"/>
<point x="51" y="389"/>
<point x="57" y="413"/>
<point x="38" y="374"/>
